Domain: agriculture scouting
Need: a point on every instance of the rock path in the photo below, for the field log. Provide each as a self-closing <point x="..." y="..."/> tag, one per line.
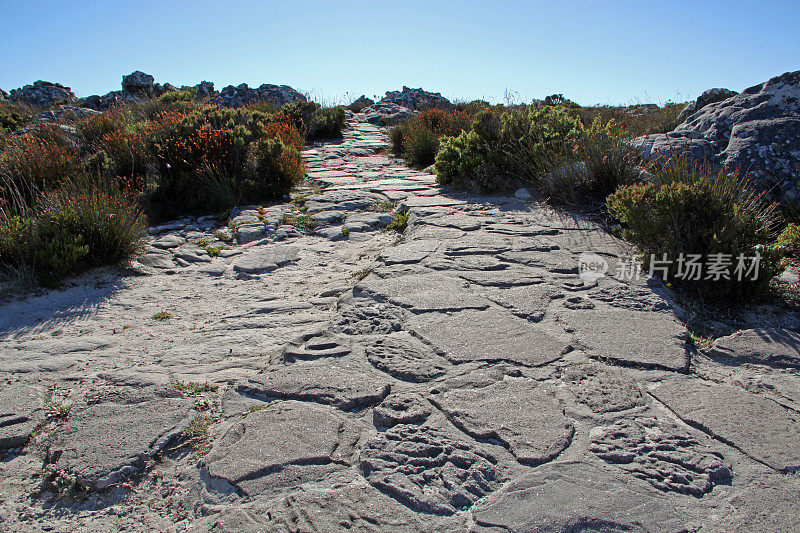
<point x="302" y="368"/>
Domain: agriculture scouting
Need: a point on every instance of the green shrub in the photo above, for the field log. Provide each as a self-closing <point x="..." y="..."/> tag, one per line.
<point x="703" y="214"/>
<point x="214" y="158"/>
<point x="602" y="163"/>
<point x="314" y="121"/>
<point x="788" y="241"/>
<point x="417" y="139"/>
<point x="33" y="163"/>
<point x="502" y="148"/>
<point x="84" y="224"/>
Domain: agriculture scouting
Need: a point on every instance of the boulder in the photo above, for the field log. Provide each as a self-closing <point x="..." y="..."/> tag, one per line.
<point x="137" y="82"/>
<point x="360" y="103"/>
<point x="239" y="95"/>
<point x="386" y="113"/>
<point x="416" y="99"/>
<point x="757" y="132"/>
<point x="43" y="94"/>
<point x="708" y="97"/>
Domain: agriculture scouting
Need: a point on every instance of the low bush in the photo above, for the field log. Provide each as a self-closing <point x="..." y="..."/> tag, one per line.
<point x="788" y="242"/>
<point x="687" y="211"/>
<point x="503" y="148"/>
<point x="83" y="224"/>
<point x="417" y="139"/>
<point x="314" y="121"/>
<point x="33" y="163"/>
<point x="214" y="158"/>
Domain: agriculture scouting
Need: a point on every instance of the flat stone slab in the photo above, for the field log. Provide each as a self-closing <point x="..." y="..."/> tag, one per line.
<point x="575" y="496"/>
<point x="635" y="338"/>
<point x="428" y="469"/>
<point x="519" y="413"/>
<point x="768" y="346"/>
<point x="266" y="258"/>
<point x="528" y="301"/>
<point x="404" y="357"/>
<point x="342" y="382"/>
<point x="491" y="335"/>
<point x="106" y="443"/>
<point x="603" y="391"/>
<point x="21" y="412"/>
<point x="754" y="424"/>
<point x="281" y="445"/>
<point x="412" y="252"/>
<point x="423" y="292"/>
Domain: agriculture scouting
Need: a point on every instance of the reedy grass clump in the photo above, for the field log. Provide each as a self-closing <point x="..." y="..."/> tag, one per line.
<point x="417" y="140"/>
<point x="686" y="209"/>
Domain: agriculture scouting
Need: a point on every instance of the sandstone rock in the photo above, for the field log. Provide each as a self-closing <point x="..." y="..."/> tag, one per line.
<point x="661" y="454"/>
<point x="366" y="317"/>
<point x="757" y="131"/>
<point x="520" y="414"/>
<point x="266" y="258"/>
<point x="43" y="94"/>
<point x="340" y="382"/>
<point x="386" y="114"/>
<point x="281" y="445"/>
<point x="603" y="391"/>
<point x="769" y="346"/>
<point x="404" y="357"/>
<point x="491" y="335"/>
<point x="416" y="99"/>
<point x="239" y="95"/>
<point x="250" y="232"/>
<point x="21" y="412"/>
<point x="645" y="339"/>
<point x="752" y="423"/>
<point x="105" y="443"/>
<point x="138" y="83"/>
<point x="64" y="112"/>
<point x="428" y="469"/>
<point x="360" y="103"/>
<point x="422" y="292"/>
<point x="401" y="408"/>
<point x="575" y="496"/>
<point x="708" y="97"/>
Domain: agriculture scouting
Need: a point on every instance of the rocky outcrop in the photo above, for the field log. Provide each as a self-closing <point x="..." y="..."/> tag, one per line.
<point x="136" y="87"/>
<point x="360" y="103"/>
<point x="416" y="99"/>
<point x="708" y="97"/>
<point x="42" y="94"/>
<point x="386" y="113"/>
<point x="757" y="132"/>
<point x="239" y="95"/>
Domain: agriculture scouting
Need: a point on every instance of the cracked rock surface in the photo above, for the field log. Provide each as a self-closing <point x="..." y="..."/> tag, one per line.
<point x="459" y="376"/>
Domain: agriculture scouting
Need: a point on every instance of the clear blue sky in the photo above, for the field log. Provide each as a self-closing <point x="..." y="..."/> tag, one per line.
<point x="591" y="51"/>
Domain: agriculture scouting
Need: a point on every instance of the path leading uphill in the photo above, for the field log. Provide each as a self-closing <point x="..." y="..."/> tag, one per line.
<point x="461" y="376"/>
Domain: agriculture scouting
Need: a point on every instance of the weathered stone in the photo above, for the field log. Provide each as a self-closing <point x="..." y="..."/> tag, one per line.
<point x="756" y="131"/>
<point x="109" y="442"/>
<point x="769" y="504"/>
<point x="491" y="335"/>
<point x="313" y="347"/>
<point x="520" y="414"/>
<point x="373" y="318"/>
<point x="416" y="99"/>
<point x="341" y="382"/>
<point x="282" y="445"/>
<point x="756" y="425"/>
<point x="168" y="241"/>
<point x="576" y="496"/>
<point x="412" y="252"/>
<point x="21" y="412"/>
<point x="401" y="408"/>
<point x="405" y="357"/>
<point x="427" y="469"/>
<point x="769" y="346"/>
<point x="386" y="113"/>
<point x="42" y="94"/>
<point x="635" y="338"/>
<point x="603" y="391"/>
<point x="422" y="292"/>
<point x="661" y="454"/>
<point x="250" y="232"/>
<point x="266" y="258"/>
